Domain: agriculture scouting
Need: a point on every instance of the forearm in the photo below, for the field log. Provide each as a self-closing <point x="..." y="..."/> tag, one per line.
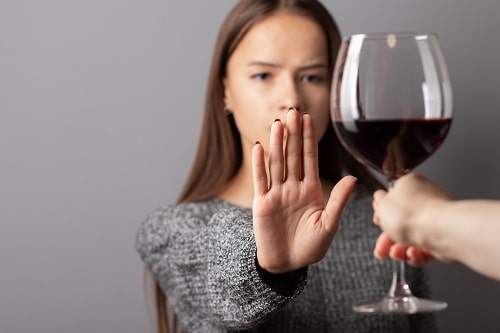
<point x="241" y="294"/>
<point x="208" y="269"/>
<point x="466" y="231"/>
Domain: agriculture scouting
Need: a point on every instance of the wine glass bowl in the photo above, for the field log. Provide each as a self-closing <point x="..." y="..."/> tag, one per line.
<point x="391" y="109"/>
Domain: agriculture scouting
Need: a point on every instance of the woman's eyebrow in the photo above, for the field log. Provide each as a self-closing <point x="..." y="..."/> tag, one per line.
<point x="270" y="64"/>
<point x="262" y="63"/>
<point x="313" y="66"/>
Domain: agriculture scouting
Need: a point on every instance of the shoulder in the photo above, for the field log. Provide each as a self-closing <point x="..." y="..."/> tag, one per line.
<point x="156" y="230"/>
<point x="174" y="223"/>
<point x="187" y="215"/>
<point x="184" y="211"/>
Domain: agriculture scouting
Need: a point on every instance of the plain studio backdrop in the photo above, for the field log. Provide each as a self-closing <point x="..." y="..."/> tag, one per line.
<point x="100" y="110"/>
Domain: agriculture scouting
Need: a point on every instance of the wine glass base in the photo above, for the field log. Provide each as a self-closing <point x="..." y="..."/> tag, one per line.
<point x="400" y="305"/>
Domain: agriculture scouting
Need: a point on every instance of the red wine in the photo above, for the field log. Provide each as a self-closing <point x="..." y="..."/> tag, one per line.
<point x="393" y="147"/>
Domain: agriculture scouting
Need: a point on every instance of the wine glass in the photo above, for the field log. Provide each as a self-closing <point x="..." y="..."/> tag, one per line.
<point x="391" y="109"/>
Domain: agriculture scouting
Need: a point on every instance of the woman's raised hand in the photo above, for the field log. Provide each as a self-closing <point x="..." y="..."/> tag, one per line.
<point x="292" y="226"/>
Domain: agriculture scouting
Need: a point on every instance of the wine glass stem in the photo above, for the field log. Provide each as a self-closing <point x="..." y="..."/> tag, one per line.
<point x="399" y="287"/>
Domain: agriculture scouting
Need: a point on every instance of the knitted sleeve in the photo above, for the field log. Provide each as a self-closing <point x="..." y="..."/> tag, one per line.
<point x="207" y="267"/>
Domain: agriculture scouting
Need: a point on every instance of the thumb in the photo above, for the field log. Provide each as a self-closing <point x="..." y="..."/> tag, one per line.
<point x="337" y="201"/>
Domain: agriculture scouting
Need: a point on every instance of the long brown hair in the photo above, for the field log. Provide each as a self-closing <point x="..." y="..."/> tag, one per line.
<point x="219" y="154"/>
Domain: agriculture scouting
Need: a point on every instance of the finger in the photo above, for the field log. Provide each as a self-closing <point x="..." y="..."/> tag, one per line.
<point x="310" y="148"/>
<point x="418" y="257"/>
<point x="377" y="196"/>
<point x="293" y="146"/>
<point x="398" y="252"/>
<point x="276" y="162"/>
<point x="383" y="246"/>
<point x="376" y="218"/>
<point x="260" y="182"/>
<point x="337" y="201"/>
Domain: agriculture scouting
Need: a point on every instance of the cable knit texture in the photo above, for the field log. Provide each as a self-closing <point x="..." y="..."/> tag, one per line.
<point x="203" y="256"/>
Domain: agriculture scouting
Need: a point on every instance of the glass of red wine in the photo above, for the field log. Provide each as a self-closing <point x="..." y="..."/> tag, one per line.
<point x="391" y="109"/>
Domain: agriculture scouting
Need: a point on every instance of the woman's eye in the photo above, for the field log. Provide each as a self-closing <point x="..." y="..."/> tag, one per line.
<point x="313" y="78"/>
<point x="261" y="76"/>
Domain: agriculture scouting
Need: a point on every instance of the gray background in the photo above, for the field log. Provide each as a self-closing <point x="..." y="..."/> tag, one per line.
<point x="100" y="107"/>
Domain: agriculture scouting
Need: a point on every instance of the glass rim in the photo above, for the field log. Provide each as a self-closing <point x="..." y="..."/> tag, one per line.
<point x="419" y="35"/>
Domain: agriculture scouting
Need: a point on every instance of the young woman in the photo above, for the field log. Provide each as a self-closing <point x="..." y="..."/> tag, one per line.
<point x="249" y="244"/>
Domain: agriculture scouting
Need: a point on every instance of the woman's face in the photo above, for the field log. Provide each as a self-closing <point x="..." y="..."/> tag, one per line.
<point x="281" y="62"/>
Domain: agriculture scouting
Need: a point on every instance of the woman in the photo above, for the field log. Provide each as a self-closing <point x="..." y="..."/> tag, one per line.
<point x="249" y="245"/>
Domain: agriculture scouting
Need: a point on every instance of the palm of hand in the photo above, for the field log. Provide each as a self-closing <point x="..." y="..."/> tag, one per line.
<point x="292" y="226"/>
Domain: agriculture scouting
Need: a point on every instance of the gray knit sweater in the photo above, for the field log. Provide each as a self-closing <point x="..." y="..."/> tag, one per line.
<point x="203" y="256"/>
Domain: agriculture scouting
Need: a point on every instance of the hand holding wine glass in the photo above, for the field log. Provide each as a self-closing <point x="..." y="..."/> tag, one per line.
<point x="392" y="109"/>
<point x="412" y="199"/>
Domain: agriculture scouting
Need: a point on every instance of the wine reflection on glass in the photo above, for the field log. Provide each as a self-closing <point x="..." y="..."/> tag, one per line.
<point x="392" y="109"/>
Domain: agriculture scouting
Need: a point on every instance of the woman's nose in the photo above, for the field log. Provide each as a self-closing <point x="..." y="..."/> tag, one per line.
<point x="290" y="95"/>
